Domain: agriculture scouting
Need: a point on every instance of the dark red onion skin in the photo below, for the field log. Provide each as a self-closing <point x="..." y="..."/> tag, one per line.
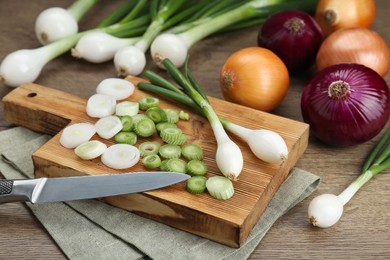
<point x="296" y="48"/>
<point x="353" y="119"/>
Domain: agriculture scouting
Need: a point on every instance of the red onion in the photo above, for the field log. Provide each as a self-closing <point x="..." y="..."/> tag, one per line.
<point x="294" y="36"/>
<point x="346" y="104"/>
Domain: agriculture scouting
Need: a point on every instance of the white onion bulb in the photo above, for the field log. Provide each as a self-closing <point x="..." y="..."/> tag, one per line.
<point x="169" y="46"/>
<point x="53" y="24"/>
<point x="129" y="60"/>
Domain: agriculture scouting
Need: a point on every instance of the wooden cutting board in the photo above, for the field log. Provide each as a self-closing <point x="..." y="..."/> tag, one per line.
<point x="47" y="110"/>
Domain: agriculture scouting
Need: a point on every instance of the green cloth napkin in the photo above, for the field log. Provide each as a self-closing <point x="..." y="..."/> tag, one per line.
<point x="90" y="229"/>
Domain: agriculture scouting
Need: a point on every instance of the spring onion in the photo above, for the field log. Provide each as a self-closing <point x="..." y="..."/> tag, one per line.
<point x="120" y="156"/>
<point x="169" y="151"/>
<point x="56" y="23"/>
<point x="196" y="168"/>
<point x="107" y="127"/>
<point x="175" y="46"/>
<point x="325" y="210"/>
<point x="228" y="156"/>
<point x="152" y="161"/>
<point x="100" y="105"/>
<point x="192" y="152"/>
<point x="266" y="145"/>
<point x="126" y="108"/>
<point x="118" y="88"/>
<point x="196" y="184"/>
<point x="25" y="65"/>
<point x="125" y="138"/>
<point x="220" y="187"/>
<point x="127" y="123"/>
<point x="147" y="102"/>
<point x="149" y="148"/>
<point x="76" y="134"/>
<point x="90" y="150"/>
<point x="175" y="165"/>
<point x="131" y="61"/>
<point x="144" y="127"/>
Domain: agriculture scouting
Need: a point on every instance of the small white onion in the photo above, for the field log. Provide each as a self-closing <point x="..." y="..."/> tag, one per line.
<point x="129" y="60"/>
<point x="120" y="156"/>
<point x="108" y="127"/>
<point x="90" y="150"/>
<point x="98" y="47"/>
<point x="76" y="134"/>
<point x="100" y="105"/>
<point x="325" y="210"/>
<point x="22" y="66"/>
<point x="169" y="46"/>
<point x="127" y="108"/>
<point x="53" y="24"/>
<point x="117" y="88"/>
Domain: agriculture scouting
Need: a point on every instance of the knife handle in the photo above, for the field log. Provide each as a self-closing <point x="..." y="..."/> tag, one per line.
<point x="16" y="190"/>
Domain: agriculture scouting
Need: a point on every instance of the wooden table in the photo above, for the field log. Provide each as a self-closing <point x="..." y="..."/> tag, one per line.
<point x="363" y="232"/>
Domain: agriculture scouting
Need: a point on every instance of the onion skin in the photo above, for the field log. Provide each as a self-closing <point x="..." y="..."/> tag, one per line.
<point x="339" y="117"/>
<point x="254" y="77"/>
<point x="333" y="15"/>
<point x="294" y="36"/>
<point x="355" y="45"/>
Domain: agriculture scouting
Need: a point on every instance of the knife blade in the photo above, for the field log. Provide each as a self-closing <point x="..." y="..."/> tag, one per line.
<point x="40" y="190"/>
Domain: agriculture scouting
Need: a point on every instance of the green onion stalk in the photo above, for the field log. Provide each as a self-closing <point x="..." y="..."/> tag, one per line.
<point x="176" y="46"/>
<point x="265" y="144"/>
<point x="325" y="210"/>
<point x="228" y="156"/>
<point x="25" y="65"/>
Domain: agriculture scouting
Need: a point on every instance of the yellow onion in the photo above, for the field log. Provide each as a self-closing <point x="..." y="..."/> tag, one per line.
<point x="355" y="45"/>
<point x="333" y="15"/>
<point x="254" y="77"/>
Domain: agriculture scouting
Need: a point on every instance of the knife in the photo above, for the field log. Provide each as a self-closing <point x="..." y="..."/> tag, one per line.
<point x="41" y="190"/>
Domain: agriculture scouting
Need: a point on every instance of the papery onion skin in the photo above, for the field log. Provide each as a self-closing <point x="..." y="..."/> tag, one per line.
<point x="333" y="15"/>
<point x="254" y="77"/>
<point x="355" y="45"/>
<point x="294" y="36"/>
<point x="352" y="119"/>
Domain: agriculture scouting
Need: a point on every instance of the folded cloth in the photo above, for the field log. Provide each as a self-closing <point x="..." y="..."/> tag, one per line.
<point x="90" y="229"/>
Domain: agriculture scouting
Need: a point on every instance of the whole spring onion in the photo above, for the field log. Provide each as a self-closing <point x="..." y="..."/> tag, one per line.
<point x="346" y="104"/>
<point x="325" y="210"/>
<point x="355" y="45"/>
<point x="228" y="156"/>
<point x="294" y="36"/>
<point x="333" y="15"/>
<point x="176" y="46"/>
<point x="25" y="65"/>
<point x="56" y="23"/>
<point x="266" y="145"/>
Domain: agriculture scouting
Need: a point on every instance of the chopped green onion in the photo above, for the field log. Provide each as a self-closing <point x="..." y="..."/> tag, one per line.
<point x="149" y="148"/>
<point x="156" y="114"/>
<point x="220" y="187"/>
<point x="144" y="127"/>
<point x="184" y="116"/>
<point x="147" y="102"/>
<point x="127" y="123"/>
<point x="192" y="152"/>
<point x="196" y="168"/>
<point x="90" y="150"/>
<point x="127" y="108"/>
<point x="172" y="115"/>
<point x="161" y="126"/>
<point x="169" y="151"/>
<point x="151" y="161"/>
<point x="196" y="184"/>
<point x="125" y="138"/>
<point x="176" y="165"/>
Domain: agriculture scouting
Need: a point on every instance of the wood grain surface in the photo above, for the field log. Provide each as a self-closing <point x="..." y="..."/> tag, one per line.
<point x="362" y="233"/>
<point x="229" y="222"/>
